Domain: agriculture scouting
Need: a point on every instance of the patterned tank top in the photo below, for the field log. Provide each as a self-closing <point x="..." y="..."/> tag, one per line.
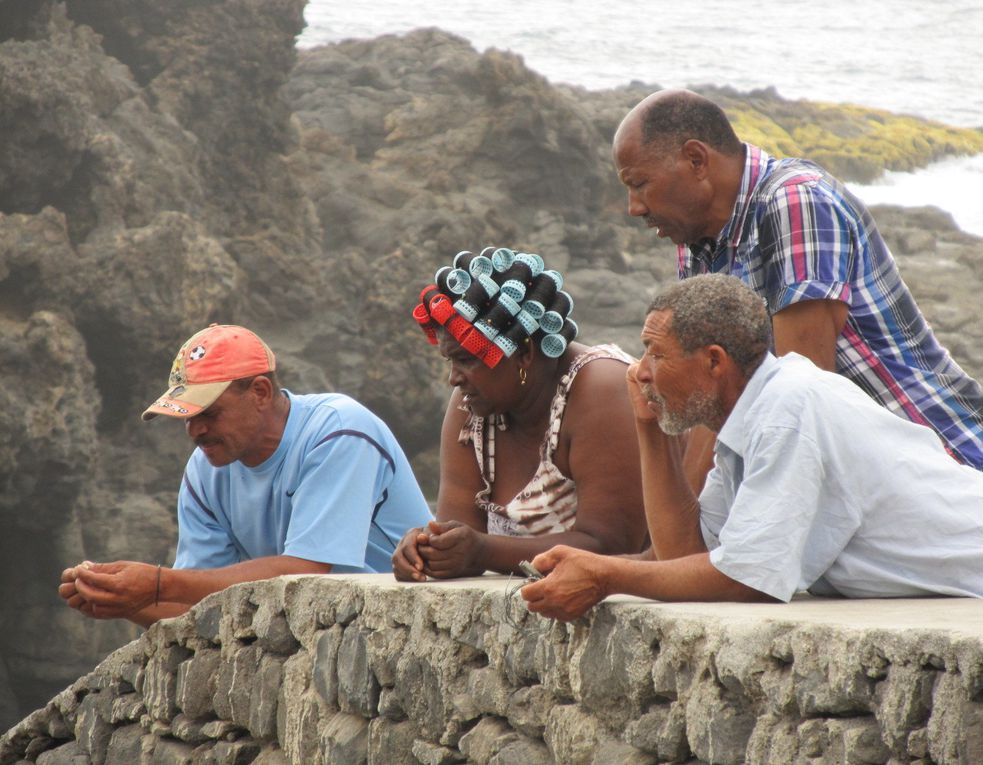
<point x="548" y="503"/>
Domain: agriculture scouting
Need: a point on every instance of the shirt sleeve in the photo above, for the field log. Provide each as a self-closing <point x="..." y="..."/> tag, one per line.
<point x="780" y="535"/>
<point x="808" y="241"/>
<point x="341" y="484"/>
<point x="203" y="542"/>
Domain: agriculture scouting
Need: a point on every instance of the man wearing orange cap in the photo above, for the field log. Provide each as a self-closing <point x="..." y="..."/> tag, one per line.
<point x="279" y="484"/>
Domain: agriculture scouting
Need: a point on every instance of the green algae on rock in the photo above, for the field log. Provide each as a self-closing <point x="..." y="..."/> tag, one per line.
<point x="855" y="143"/>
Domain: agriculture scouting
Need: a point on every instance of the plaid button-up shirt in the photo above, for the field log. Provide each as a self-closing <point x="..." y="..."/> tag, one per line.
<point x="797" y="233"/>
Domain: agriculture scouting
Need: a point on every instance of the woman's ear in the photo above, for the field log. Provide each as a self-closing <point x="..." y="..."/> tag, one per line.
<point x="526" y="352"/>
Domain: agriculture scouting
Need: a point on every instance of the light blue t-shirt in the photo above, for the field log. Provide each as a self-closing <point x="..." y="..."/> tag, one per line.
<point x="817" y="487"/>
<point x="338" y="489"/>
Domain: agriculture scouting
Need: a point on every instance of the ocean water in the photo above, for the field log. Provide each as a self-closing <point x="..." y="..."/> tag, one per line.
<point x="920" y="57"/>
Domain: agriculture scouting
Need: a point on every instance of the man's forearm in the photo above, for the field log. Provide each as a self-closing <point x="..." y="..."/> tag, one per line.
<point x="191" y="585"/>
<point x="578" y="580"/>
<point x="690" y="578"/>
<point x="671" y="508"/>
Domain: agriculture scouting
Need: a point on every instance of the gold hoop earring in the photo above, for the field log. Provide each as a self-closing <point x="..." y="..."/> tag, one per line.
<point x="522" y="376"/>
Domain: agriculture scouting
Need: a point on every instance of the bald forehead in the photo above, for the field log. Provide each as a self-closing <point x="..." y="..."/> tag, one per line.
<point x="629" y="143"/>
<point x="627" y="138"/>
<point x="630" y="125"/>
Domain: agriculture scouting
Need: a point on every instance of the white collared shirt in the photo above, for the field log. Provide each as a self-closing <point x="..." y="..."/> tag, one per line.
<point x="817" y="487"/>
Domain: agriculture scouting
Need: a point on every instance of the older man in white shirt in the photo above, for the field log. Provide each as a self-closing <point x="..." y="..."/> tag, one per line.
<point x="815" y="487"/>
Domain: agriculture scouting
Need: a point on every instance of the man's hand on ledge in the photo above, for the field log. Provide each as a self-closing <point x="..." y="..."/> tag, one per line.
<point x="144" y="593"/>
<point x="574" y="584"/>
<point x="110" y="590"/>
<point x="578" y="580"/>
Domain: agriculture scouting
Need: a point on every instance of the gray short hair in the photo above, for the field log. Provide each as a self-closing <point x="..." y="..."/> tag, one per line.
<point x="716" y="309"/>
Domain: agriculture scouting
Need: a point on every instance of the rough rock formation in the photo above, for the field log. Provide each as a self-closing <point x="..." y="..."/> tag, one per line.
<point x="168" y="165"/>
<point x="338" y="670"/>
<point x="418" y="146"/>
<point x="139" y="200"/>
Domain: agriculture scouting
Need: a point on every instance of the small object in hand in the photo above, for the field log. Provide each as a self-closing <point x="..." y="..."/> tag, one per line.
<point x="530" y="570"/>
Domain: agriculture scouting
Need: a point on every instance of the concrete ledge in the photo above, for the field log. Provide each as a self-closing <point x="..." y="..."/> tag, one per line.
<point x="351" y="669"/>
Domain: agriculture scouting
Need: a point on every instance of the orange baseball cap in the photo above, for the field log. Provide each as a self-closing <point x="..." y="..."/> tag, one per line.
<point x="207" y="362"/>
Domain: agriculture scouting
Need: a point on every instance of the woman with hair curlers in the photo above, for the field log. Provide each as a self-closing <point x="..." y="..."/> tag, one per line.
<point x="538" y="443"/>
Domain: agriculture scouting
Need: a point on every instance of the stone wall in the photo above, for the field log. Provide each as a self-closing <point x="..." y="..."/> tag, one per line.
<point x="312" y="670"/>
<point x="164" y="165"/>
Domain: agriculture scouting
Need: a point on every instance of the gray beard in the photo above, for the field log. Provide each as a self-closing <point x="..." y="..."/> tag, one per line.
<point x="700" y="408"/>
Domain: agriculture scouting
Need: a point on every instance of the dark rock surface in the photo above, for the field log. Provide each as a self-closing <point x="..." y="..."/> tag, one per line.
<point x="139" y="199"/>
<point x="420" y="146"/>
<point x="163" y="166"/>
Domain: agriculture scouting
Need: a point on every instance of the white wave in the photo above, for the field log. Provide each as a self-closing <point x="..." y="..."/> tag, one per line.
<point x="954" y="184"/>
<point x="906" y="56"/>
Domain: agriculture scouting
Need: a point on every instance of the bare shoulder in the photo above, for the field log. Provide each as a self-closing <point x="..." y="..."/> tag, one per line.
<point x="598" y="393"/>
<point x="600" y="376"/>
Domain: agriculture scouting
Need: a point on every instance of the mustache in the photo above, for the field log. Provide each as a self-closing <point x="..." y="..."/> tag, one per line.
<point x="650" y="393"/>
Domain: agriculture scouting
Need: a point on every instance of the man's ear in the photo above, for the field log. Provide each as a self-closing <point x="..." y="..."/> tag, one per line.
<point x="717" y="360"/>
<point x="262" y="389"/>
<point x="697" y="156"/>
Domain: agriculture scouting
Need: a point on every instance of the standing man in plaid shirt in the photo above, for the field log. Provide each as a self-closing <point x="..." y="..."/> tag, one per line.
<point x="808" y="247"/>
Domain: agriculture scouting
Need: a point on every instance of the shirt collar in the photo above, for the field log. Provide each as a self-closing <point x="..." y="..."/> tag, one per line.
<point x="756" y="162"/>
<point x="286" y="438"/>
<point x="731" y="434"/>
